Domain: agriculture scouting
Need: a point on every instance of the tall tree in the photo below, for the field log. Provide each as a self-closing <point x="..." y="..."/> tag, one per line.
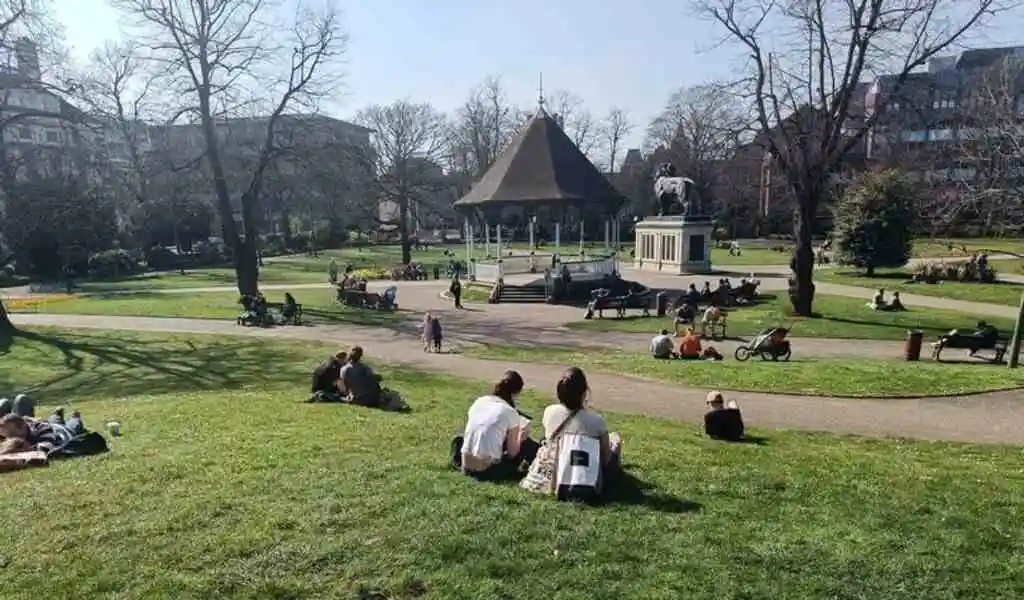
<point x="614" y="129"/>
<point x="231" y="58"/>
<point x="699" y="127"/>
<point x="575" y="119"/>
<point x="482" y="128"/>
<point x="990" y="148"/>
<point x="409" y="144"/>
<point x="805" y="81"/>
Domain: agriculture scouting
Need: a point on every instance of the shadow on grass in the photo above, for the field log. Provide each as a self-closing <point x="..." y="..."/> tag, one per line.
<point x="628" y="489"/>
<point x="97" y="366"/>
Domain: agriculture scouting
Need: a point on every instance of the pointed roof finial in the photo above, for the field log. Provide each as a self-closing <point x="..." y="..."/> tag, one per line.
<point x="540" y="89"/>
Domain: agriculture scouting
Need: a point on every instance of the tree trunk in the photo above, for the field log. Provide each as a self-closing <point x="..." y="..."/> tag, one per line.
<point x="802" y="293"/>
<point x="246" y="268"/>
<point x="403" y="228"/>
<point x="870" y="271"/>
<point x="6" y="326"/>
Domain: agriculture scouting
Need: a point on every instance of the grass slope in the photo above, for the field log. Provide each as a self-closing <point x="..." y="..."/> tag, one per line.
<point x="857" y="378"/>
<point x="840" y="317"/>
<point x="318" y="306"/>
<point x="896" y="280"/>
<point x="241" y="493"/>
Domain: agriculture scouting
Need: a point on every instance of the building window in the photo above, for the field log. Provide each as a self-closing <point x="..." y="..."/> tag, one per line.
<point x="895" y="106"/>
<point x="1020" y="105"/>
<point x="52" y="137"/>
<point x="940" y="135"/>
<point x="25" y="132"/>
<point x="647" y="246"/>
<point x="915" y="136"/>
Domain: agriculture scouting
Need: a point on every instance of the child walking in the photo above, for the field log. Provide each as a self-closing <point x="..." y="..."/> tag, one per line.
<point x="436" y="333"/>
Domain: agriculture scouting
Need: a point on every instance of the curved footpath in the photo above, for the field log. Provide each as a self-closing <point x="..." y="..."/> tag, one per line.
<point x="988" y="418"/>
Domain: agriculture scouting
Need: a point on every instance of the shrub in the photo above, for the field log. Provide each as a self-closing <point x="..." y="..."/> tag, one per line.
<point x="874" y="221"/>
<point x="964" y="270"/>
<point x="113" y="263"/>
<point x="370" y="273"/>
<point x="210" y="252"/>
<point x="161" y="259"/>
<point x="274" y="245"/>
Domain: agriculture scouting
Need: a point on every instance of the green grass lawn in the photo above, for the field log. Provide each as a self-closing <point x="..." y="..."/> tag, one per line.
<point x="841" y="317"/>
<point x="750" y="256"/>
<point x="857" y="378"/>
<point x="939" y="247"/>
<point x="318" y="306"/>
<point x="895" y="280"/>
<point x="224" y="487"/>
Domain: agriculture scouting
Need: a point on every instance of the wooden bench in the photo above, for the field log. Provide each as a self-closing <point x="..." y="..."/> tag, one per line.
<point x="279" y="307"/>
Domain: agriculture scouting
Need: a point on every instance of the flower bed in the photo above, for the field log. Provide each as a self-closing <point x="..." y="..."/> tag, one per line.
<point x="34" y="302"/>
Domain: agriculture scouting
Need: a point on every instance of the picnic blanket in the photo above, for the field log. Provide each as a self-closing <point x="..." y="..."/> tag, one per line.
<point x="87" y="444"/>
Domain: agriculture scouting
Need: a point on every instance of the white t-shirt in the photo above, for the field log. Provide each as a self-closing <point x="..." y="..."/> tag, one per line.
<point x="489" y="421"/>
<point x="585" y="422"/>
<point x="662" y="345"/>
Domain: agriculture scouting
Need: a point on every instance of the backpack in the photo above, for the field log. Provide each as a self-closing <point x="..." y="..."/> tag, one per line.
<point x="578" y="473"/>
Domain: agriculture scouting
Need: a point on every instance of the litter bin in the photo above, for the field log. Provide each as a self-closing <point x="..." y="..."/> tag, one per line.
<point x="661" y="303"/>
<point x="912" y="347"/>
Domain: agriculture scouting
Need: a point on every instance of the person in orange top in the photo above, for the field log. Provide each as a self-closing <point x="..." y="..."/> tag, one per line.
<point x="690" y="348"/>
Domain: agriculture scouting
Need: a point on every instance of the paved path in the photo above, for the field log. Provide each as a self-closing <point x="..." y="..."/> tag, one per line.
<point x="989" y="418"/>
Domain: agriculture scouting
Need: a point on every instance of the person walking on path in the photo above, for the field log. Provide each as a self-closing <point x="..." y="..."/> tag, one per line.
<point x="456" y="291"/>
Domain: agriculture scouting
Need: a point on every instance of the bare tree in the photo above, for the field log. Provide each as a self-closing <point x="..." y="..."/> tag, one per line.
<point x="228" y="58"/>
<point x="575" y="119"/>
<point x="482" y="128"/>
<point x="615" y="127"/>
<point x="805" y="81"/>
<point x="409" y="143"/>
<point x="698" y="129"/>
<point x="990" y="147"/>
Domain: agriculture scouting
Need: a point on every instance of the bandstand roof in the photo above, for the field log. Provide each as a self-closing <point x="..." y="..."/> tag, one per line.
<point x="542" y="166"/>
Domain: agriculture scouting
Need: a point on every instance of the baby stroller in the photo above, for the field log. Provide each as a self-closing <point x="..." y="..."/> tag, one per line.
<point x="768" y="344"/>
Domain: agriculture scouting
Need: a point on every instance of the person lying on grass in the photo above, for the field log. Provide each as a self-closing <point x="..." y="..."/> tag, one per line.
<point x="496" y="444"/>
<point x="572" y="420"/>
<point x="49" y="435"/>
<point x="326" y="379"/>
<point x="690" y="348"/>
<point x="722" y="421"/>
<point x="19" y="405"/>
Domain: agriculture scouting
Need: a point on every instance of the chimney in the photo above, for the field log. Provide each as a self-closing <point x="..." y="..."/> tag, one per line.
<point x="27" y="54"/>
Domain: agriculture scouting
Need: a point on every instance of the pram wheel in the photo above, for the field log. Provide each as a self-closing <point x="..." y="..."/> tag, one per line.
<point x="742" y="353"/>
<point x="785" y="355"/>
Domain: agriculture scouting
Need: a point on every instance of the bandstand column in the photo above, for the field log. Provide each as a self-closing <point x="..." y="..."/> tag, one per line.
<point x="497" y="234"/>
<point x="583" y="234"/>
<point x="467" y="231"/>
<point x="558" y="235"/>
<point x="487" y="238"/>
<point x="531" y="225"/>
<point x="607" y="233"/>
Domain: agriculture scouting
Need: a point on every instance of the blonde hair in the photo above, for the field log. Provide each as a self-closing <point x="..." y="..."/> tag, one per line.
<point x="715" y="397"/>
<point x="13" y="445"/>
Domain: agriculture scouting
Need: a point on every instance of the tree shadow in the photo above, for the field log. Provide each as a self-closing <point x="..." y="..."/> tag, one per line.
<point x="105" y="366"/>
<point x="628" y="489"/>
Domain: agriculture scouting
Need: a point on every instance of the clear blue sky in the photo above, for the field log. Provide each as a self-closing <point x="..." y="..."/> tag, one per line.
<point x="631" y="55"/>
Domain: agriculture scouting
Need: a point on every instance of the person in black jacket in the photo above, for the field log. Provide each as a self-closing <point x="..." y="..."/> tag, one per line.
<point x="722" y="422"/>
<point x="326" y="377"/>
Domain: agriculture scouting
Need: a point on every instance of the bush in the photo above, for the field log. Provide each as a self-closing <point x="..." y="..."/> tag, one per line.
<point x="210" y="252"/>
<point x="371" y="273"/>
<point x="274" y="245"/>
<point x="113" y="263"/>
<point x="161" y="259"/>
<point x="964" y="270"/>
<point x="874" y="221"/>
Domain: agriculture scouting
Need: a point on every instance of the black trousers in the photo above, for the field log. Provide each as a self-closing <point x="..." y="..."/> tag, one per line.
<point x="509" y="468"/>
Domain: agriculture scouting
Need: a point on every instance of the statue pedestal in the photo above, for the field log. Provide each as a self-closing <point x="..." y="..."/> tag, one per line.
<point x="675" y="244"/>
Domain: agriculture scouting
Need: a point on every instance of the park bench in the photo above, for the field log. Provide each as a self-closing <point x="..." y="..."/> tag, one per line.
<point x="295" y="319"/>
<point x="601" y="301"/>
<point x="997" y="346"/>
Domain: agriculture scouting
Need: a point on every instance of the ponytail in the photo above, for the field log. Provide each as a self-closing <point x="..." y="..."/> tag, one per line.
<point x="511" y="383"/>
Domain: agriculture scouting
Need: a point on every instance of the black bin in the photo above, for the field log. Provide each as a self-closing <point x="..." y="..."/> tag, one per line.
<point x="661" y="303"/>
<point x="912" y="346"/>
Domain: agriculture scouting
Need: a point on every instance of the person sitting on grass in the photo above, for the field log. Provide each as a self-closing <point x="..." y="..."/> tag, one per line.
<point x="662" y="346"/>
<point x="290" y="308"/>
<point x="878" y="301"/>
<point x="363" y="386"/>
<point x="722" y="421"/>
<point x="568" y="422"/>
<point x="326" y="379"/>
<point x="690" y="348"/>
<point x="712" y="315"/>
<point x="496" y="444"/>
<point x="685" y="315"/>
<point x="896" y="305"/>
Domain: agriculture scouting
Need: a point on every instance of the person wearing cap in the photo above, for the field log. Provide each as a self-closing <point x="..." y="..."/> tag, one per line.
<point x="722" y="421"/>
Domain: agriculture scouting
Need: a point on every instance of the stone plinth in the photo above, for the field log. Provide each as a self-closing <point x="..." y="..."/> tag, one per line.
<point x="675" y="244"/>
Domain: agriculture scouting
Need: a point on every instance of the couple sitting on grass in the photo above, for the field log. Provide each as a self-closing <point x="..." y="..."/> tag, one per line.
<point x="690" y="348"/>
<point x="20" y="431"/>
<point x="345" y="378"/>
<point x="878" y="302"/>
<point x="577" y="459"/>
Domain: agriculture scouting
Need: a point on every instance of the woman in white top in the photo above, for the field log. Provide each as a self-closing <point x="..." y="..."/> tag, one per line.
<point x="496" y="443"/>
<point x="572" y="416"/>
